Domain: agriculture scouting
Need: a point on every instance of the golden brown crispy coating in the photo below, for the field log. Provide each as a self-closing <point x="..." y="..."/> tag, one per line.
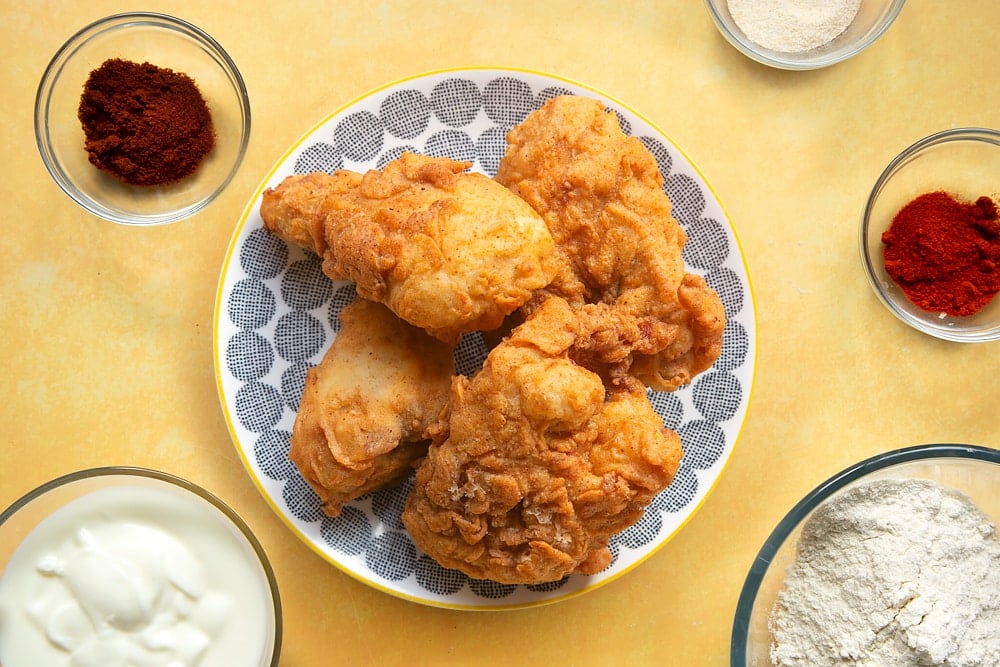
<point x="447" y="250"/>
<point x="365" y="408"/>
<point x="698" y="320"/>
<point x="536" y="464"/>
<point x="601" y="194"/>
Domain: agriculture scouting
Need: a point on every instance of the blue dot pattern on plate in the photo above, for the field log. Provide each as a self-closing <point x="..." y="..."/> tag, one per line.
<point x="284" y="313"/>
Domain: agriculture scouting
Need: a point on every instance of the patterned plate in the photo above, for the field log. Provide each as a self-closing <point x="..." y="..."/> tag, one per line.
<point x="276" y="314"/>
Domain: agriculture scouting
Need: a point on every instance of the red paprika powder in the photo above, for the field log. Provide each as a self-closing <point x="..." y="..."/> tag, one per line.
<point x="143" y="124"/>
<point x="945" y="253"/>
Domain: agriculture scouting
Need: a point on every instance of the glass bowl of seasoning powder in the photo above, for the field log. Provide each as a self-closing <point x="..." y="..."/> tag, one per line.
<point x="930" y="235"/>
<point x="802" y="34"/>
<point x="893" y="561"/>
<point x="142" y="118"/>
<point x="123" y="565"/>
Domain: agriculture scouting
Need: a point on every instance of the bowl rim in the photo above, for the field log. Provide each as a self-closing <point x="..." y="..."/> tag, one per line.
<point x="971" y="133"/>
<point x="754" y="577"/>
<point x="191" y="487"/>
<point x="53" y="69"/>
<point x="774" y="59"/>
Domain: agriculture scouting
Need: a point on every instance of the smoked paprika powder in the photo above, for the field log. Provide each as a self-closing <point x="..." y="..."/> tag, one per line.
<point x="145" y="125"/>
<point x="944" y="253"/>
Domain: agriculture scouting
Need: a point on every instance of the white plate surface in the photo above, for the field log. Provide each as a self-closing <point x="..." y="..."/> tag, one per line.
<point x="276" y="314"/>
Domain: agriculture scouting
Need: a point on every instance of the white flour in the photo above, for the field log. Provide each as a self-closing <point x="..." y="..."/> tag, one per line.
<point x="792" y="26"/>
<point x="892" y="573"/>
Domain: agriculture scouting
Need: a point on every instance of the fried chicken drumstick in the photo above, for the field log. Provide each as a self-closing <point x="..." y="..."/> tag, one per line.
<point x="447" y="250"/>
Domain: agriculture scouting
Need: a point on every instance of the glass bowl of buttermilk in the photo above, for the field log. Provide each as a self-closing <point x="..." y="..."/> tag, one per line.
<point x="142" y="118"/>
<point x="893" y="561"/>
<point x="930" y="235"/>
<point x="802" y="34"/>
<point x="119" y="565"/>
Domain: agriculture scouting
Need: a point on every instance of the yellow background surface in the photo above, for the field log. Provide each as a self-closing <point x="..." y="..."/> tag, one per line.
<point x="106" y="353"/>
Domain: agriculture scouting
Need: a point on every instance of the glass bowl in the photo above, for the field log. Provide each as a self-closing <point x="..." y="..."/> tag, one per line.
<point x="971" y="470"/>
<point x="962" y="161"/>
<point x="166" y="42"/>
<point x="197" y="571"/>
<point x="873" y="18"/>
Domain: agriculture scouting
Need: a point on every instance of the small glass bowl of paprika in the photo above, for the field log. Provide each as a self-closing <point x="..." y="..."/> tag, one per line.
<point x="142" y="118"/>
<point x="930" y="235"/>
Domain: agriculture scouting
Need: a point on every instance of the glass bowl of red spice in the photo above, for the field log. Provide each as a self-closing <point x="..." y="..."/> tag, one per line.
<point x="142" y="118"/>
<point x="930" y="235"/>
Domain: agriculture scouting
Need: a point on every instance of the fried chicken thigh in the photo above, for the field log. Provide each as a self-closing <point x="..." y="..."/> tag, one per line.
<point x="536" y="463"/>
<point x="365" y="409"/>
<point x="601" y="194"/>
<point x="447" y="250"/>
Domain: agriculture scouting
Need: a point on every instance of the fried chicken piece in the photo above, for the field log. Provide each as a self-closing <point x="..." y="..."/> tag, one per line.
<point x="366" y="407"/>
<point x="536" y="464"/>
<point x="698" y="319"/>
<point x="601" y="194"/>
<point x="447" y="250"/>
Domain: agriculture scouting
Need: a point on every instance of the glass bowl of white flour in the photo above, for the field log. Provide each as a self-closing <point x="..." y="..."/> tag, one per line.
<point x="802" y="34"/>
<point x="893" y="561"/>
